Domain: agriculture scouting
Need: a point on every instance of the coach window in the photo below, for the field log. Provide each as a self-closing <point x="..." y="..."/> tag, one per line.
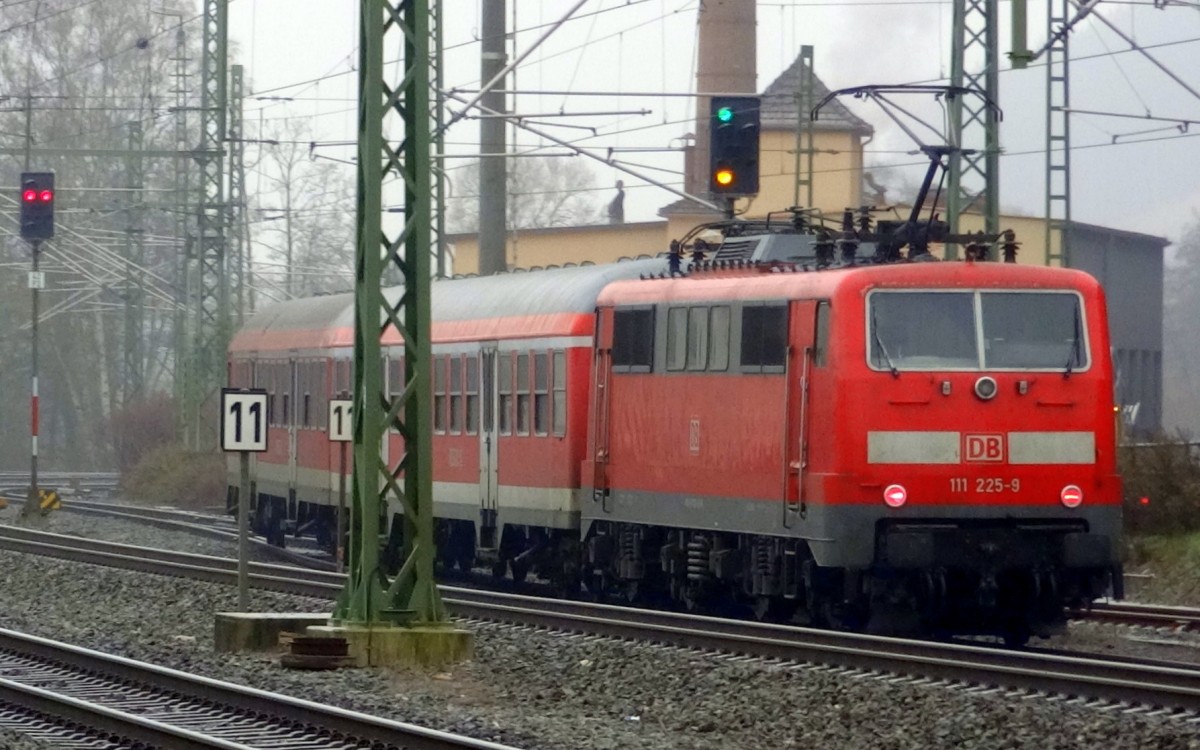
<point x="541" y="394"/>
<point x="266" y="373"/>
<point x="310" y="385"/>
<point x="821" y="336"/>
<point x="304" y="391"/>
<point x="522" y="394"/>
<point x="764" y="338"/>
<point x="677" y="338"/>
<point x="505" y="378"/>
<point x="633" y="340"/>
<point x="697" y="338"/>
<point x="718" y="337"/>
<point x="472" y="394"/>
<point x="395" y="376"/>
<point x="439" y="394"/>
<point x="456" y="394"/>
<point x="560" y="393"/>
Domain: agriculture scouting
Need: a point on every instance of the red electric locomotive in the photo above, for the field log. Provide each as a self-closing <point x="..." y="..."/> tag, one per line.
<point x="885" y="445"/>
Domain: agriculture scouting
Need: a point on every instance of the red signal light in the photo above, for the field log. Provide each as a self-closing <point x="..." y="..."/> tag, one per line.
<point x="46" y="196"/>
<point x="29" y="196"/>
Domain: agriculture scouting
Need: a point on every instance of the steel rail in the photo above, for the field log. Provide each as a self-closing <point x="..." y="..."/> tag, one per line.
<point x="184" y="711"/>
<point x="190" y="522"/>
<point x="1150" y="615"/>
<point x="1128" y="680"/>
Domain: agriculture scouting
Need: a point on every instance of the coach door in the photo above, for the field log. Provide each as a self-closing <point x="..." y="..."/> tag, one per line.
<point x="489" y="431"/>
<point x="291" y="410"/>
<point x="801" y="351"/>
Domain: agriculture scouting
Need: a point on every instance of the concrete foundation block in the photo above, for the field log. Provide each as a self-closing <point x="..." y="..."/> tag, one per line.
<point x="419" y="646"/>
<point x="259" y="631"/>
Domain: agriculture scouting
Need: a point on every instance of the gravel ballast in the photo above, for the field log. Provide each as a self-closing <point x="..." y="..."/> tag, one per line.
<point x="10" y="740"/>
<point x="541" y="690"/>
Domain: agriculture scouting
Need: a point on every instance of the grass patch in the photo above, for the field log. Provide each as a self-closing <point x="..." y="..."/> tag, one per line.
<point x="1170" y="561"/>
<point x="172" y="475"/>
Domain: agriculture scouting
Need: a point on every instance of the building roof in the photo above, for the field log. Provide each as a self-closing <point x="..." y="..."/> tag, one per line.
<point x="781" y="110"/>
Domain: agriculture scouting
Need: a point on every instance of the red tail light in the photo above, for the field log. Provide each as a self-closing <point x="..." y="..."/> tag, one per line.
<point x="895" y="495"/>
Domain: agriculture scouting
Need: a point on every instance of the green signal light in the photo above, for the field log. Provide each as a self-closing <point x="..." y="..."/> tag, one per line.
<point x="725" y="114"/>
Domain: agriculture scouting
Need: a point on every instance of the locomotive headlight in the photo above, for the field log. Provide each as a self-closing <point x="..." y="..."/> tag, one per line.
<point x="1071" y="496"/>
<point x="895" y="495"/>
<point x="985" y="388"/>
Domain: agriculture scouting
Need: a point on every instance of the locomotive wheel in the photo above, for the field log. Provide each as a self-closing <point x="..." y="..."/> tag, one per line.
<point x="1017" y="638"/>
<point x="763" y="607"/>
<point x="520" y="569"/>
<point x="632" y="591"/>
<point x="465" y="561"/>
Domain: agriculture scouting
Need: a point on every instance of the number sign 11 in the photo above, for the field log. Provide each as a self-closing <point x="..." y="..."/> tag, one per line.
<point x="341" y="420"/>
<point x="243" y="420"/>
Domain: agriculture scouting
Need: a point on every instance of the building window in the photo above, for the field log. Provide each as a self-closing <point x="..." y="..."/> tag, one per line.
<point x="560" y="393"/>
<point x="523" y="394"/>
<point x="541" y="394"/>
<point x="439" y="394"/>
<point x="504" y="375"/>
<point x="633" y="340"/>
<point x="456" y="394"/>
<point x="764" y="338"/>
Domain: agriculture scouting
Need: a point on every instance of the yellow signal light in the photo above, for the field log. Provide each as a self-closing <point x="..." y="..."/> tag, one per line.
<point x="724" y="177"/>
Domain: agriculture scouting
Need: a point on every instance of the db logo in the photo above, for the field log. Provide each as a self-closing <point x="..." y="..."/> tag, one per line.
<point x="985" y="448"/>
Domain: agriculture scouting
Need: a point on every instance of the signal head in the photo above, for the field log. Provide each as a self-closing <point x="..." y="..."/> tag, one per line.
<point x="37" y="205"/>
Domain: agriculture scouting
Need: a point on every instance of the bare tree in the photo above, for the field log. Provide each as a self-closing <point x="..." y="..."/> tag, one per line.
<point x="84" y="72"/>
<point x="1181" y="311"/>
<point x="306" y="214"/>
<point x="542" y="192"/>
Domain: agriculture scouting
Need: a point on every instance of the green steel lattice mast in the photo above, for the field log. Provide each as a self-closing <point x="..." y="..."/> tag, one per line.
<point x="411" y="596"/>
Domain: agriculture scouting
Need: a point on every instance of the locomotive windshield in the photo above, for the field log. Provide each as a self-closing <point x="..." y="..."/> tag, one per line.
<point x="976" y="331"/>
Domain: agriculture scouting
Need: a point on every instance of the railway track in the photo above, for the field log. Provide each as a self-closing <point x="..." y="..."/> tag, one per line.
<point x="1127" y="681"/>
<point x="221" y="527"/>
<point x="121" y="700"/>
<point x="1149" y="615"/>
<point x="202" y="524"/>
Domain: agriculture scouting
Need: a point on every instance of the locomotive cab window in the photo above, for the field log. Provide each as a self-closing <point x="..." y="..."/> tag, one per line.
<point x="981" y="330"/>
<point x="633" y="340"/>
<point x="764" y="338"/>
<point x="1041" y="331"/>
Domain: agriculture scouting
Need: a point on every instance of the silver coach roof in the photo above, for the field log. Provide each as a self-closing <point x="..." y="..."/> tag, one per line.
<point x="516" y="293"/>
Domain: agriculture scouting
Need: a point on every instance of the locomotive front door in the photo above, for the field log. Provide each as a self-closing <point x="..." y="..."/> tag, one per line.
<point x="489" y="452"/>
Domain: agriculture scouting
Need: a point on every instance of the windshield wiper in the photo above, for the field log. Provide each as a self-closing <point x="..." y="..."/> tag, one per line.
<point x="1073" y="352"/>
<point x="882" y="348"/>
